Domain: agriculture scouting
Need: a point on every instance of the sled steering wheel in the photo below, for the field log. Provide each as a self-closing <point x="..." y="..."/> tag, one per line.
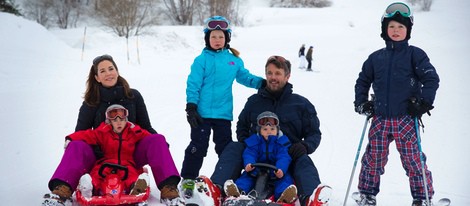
<point x="263" y="167"/>
<point x="114" y="169"/>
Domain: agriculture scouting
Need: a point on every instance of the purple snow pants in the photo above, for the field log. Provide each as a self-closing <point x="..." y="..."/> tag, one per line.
<point x="79" y="159"/>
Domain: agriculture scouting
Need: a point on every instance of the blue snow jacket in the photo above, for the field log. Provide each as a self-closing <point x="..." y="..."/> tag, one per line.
<point x="297" y="116"/>
<point x="210" y="81"/>
<point x="396" y="73"/>
<point x="272" y="151"/>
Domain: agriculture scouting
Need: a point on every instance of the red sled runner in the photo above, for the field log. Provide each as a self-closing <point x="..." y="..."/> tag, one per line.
<point x="113" y="189"/>
<point x="208" y="194"/>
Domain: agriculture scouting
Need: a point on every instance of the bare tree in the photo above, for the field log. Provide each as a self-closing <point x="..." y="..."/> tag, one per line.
<point x="9" y="6"/>
<point x="181" y="11"/>
<point x="67" y="12"/>
<point x="226" y="8"/>
<point x="425" y="5"/>
<point x="125" y="17"/>
<point x="300" y="3"/>
<point x="39" y="11"/>
<point x="64" y="13"/>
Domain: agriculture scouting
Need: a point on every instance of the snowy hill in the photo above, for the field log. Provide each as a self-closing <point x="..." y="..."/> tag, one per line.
<point x="42" y="81"/>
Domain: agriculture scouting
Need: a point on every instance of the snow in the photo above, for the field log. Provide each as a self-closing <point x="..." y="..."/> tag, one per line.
<point x="43" y="78"/>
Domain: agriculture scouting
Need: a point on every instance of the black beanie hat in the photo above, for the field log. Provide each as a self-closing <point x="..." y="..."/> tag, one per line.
<point x="208" y="34"/>
<point x="398" y="18"/>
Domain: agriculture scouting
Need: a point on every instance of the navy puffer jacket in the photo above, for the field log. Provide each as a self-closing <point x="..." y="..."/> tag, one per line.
<point x="297" y="116"/>
<point x="91" y="117"/>
<point x="396" y="73"/>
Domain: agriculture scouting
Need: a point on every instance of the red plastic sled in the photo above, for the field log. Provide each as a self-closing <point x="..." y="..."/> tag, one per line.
<point x="113" y="189"/>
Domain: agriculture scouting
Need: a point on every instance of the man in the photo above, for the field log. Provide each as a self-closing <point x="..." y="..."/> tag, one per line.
<point x="298" y="120"/>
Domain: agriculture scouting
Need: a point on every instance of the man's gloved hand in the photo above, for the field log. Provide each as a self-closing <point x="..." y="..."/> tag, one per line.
<point x="366" y="108"/>
<point x="416" y="108"/>
<point x="296" y="150"/>
<point x="264" y="82"/>
<point x="193" y="117"/>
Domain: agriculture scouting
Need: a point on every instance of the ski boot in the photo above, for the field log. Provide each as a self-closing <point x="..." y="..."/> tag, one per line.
<point x="58" y="197"/>
<point x="170" y="196"/>
<point x="231" y="189"/>
<point x="419" y="202"/>
<point x="364" y="199"/>
<point x="141" y="185"/>
<point x="289" y="195"/>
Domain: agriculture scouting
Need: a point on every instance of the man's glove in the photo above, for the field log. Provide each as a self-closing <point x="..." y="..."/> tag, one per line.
<point x="366" y="108"/>
<point x="296" y="150"/>
<point x="194" y="119"/>
<point x="416" y="108"/>
<point x="264" y="82"/>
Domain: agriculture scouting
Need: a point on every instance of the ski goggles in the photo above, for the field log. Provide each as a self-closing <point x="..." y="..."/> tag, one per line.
<point x="217" y="24"/>
<point x="98" y="59"/>
<point x="400" y="8"/>
<point x="277" y="58"/>
<point x="115" y="113"/>
<point x="268" y="121"/>
<point x="280" y="62"/>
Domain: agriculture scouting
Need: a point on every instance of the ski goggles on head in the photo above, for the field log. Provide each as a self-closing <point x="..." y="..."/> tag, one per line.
<point x="217" y="24"/>
<point x="400" y="8"/>
<point x="277" y="58"/>
<point x="98" y="59"/>
<point x="115" y="113"/>
<point x="283" y="62"/>
<point x="268" y="121"/>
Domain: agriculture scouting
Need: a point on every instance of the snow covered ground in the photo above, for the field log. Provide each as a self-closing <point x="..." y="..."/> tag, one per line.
<point x="42" y="81"/>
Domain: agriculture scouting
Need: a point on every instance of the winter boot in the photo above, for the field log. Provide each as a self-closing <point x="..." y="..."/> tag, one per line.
<point x="231" y="189"/>
<point x="85" y="186"/>
<point x="169" y="195"/>
<point x="366" y="200"/>
<point x="289" y="195"/>
<point x="58" y="196"/>
<point x="187" y="185"/>
<point x="321" y="196"/>
<point x="141" y="185"/>
<point x="419" y="202"/>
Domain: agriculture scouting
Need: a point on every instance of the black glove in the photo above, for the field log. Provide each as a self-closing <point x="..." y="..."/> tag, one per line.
<point x="416" y="108"/>
<point x="264" y="83"/>
<point x="194" y="119"/>
<point x="366" y="108"/>
<point x="296" y="150"/>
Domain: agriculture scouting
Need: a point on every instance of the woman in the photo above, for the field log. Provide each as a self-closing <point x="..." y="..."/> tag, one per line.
<point x="106" y="87"/>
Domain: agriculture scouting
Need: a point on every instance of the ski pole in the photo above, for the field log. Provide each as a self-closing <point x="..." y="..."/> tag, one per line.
<point x="355" y="160"/>
<point x="421" y="157"/>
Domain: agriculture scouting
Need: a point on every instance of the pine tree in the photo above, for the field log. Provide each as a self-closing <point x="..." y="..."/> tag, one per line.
<point x="9" y="6"/>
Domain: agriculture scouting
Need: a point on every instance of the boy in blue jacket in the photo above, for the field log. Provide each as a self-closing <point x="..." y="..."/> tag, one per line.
<point x="270" y="146"/>
<point x="405" y="84"/>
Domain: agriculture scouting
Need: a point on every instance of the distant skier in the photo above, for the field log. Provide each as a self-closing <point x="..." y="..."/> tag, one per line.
<point x="405" y="85"/>
<point x="302" y="59"/>
<point x="309" y="58"/>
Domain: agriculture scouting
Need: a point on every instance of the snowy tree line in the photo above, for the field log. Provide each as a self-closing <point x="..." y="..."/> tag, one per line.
<point x="131" y="17"/>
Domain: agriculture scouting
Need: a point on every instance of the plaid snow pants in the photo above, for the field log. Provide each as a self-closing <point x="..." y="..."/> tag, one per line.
<point x="381" y="133"/>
